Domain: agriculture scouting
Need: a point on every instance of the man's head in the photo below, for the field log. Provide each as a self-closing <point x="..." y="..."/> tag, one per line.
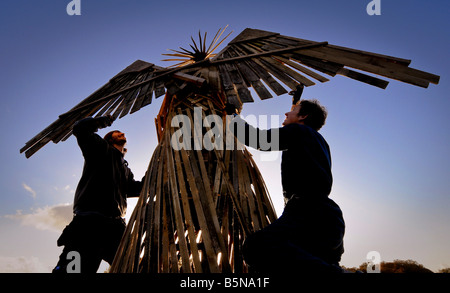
<point x="307" y="112"/>
<point x="116" y="138"/>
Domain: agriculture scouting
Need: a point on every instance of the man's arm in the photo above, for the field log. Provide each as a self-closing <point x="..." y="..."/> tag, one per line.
<point x="134" y="187"/>
<point x="85" y="132"/>
<point x="275" y="139"/>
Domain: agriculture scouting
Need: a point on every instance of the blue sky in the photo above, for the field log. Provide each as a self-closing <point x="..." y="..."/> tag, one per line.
<point x="389" y="147"/>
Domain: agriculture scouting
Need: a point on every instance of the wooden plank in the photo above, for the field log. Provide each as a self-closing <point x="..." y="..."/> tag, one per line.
<point x="143" y="91"/>
<point x="187" y="210"/>
<point x="350" y="50"/>
<point x="159" y="88"/>
<point x="239" y="83"/>
<point x="195" y="188"/>
<point x="267" y="78"/>
<point x="260" y="188"/>
<point x="324" y="66"/>
<point x="363" y="78"/>
<point x="251" y="77"/>
<point x="281" y="67"/>
<point x="148" y="95"/>
<point x="263" y="72"/>
<point x="371" y="64"/>
<point x="228" y="87"/>
<point x="156" y="245"/>
<point x="177" y="208"/>
<point x="302" y="69"/>
<point x="128" y="102"/>
<point x="151" y="208"/>
<point x="251" y="35"/>
<point x="268" y="53"/>
<point x="65" y="129"/>
<point x="244" y="188"/>
<point x="298" y="77"/>
<point x="279" y="74"/>
<point x="164" y="231"/>
<point x="197" y="81"/>
<point x="207" y="196"/>
<point x="214" y="79"/>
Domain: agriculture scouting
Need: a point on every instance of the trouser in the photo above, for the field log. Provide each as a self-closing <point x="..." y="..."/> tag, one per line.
<point x="308" y="237"/>
<point x="94" y="238"/>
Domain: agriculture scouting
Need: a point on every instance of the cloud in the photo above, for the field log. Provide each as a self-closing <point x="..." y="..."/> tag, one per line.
<point x="53" y="218"/>
<point x="22" y="264"/>
<point x="30" y="190"/>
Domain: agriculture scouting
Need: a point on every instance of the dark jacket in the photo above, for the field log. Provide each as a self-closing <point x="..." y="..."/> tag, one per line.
<point x="305" y="161"/>
<point x="106" y="181"/>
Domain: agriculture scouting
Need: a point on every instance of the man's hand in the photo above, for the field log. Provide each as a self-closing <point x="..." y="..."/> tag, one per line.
<point x="104" y="121"/>
<point x="296" y="95"/>
<point x="231" y="109"/>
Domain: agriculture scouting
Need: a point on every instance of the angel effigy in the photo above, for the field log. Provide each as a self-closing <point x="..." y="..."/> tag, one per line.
<point x="199" y="203"/>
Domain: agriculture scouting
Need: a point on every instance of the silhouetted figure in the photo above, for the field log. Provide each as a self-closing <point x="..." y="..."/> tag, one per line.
<point x="100" y="199"/>
<point x="308" y="236"/>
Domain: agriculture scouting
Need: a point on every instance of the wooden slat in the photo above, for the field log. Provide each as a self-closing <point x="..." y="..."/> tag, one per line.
<point x="278" y="48"/>
<point x="262" y="73"/>
<point x="363" y="78"/>
<point x="268" y="67"/>
<point x="244" y="188"/>
<point x="302" y="69"/>
<point x="207" y="197"/>
<point x="238" y="82"/>
<point x="279" y="74"/>
<point x="350" y="50"/>
<point x="130" y="96"/>
<point x="268" y="53"/>
<point x="370" y="64"/>
<point x="141" y="95"/>
<point x="228" y="87"/>
<point x="128" y="102"/>
<point x="187" y="211"/>
<point x="327" y="67"/>
<point x="159" y="88"/>
<point x="177" y="209"/>
<point x="298" y="77"/>
<point x="251" y="77"/>
<point x="196" y="188"/>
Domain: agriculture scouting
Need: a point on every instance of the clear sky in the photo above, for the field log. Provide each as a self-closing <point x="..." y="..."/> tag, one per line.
<point x="389" y="147"/>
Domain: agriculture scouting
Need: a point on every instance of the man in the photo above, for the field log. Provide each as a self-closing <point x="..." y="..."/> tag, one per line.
<point x="308" y="237"/>
<point x="100" y="199"/>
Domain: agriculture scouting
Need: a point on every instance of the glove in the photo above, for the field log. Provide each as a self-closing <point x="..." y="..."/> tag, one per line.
<point x="231" y="109"/>
<point x="104" y="121"/>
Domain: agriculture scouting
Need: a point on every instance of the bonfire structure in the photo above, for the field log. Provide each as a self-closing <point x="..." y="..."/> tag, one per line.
<point x="198" y="205"/>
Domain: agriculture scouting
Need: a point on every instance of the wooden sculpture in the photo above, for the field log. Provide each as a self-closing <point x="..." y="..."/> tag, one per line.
<point x="198" y="205"/>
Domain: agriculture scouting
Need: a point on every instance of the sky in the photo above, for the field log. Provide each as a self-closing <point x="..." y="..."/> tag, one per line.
<point x="389" y="147"/>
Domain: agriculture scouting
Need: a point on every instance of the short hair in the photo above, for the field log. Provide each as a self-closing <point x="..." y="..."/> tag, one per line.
<point x="317" y="114"/>
<point x="108" y="136"/>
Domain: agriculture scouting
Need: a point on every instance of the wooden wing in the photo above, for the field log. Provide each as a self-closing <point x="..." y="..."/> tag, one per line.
<point x="257" y="59"/>
<point x="127" y="92"/>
